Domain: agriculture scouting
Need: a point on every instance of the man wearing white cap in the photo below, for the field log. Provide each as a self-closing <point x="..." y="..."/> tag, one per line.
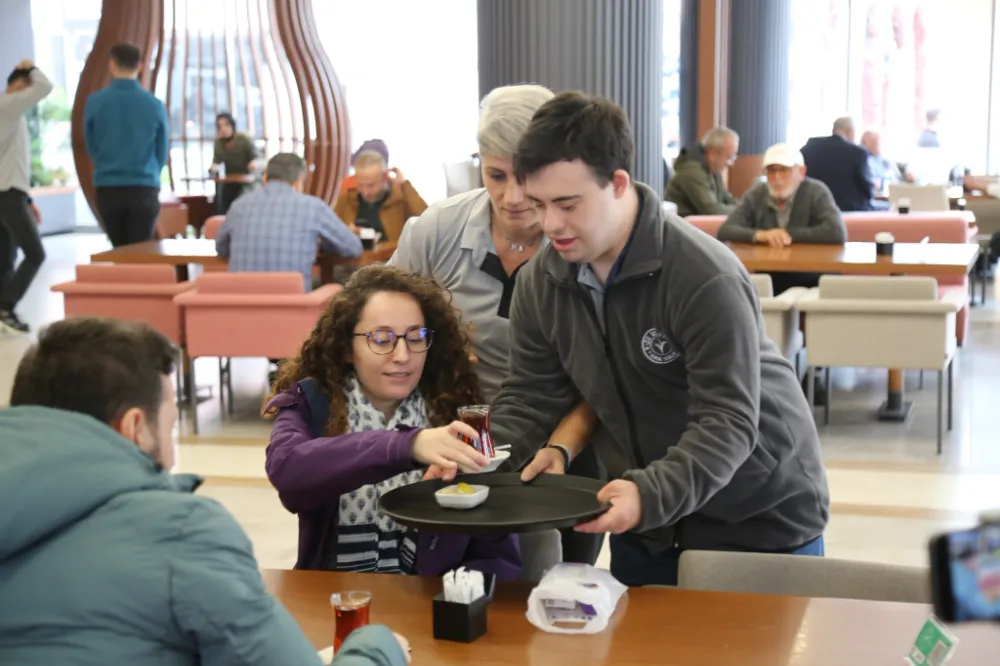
<point x="787" y="208"/>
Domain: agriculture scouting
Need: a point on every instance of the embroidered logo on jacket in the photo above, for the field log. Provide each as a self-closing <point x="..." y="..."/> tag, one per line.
<point x="657" y="348"/>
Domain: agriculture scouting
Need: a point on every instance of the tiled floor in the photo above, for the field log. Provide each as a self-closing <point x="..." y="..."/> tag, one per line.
<point x="890" y="490"/>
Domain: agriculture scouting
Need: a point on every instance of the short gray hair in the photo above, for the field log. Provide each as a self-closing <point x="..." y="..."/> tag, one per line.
<point x="286" y="168"/>
<point x="504" y="117"/>
<point x="718" y="136"/>
<point x="843" y="124"/>
<point x="369" y="158"/>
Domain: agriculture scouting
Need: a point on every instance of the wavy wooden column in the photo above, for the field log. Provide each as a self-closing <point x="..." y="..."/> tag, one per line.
<point x="326" y="130"/>
<point x="260" y="60"/>
<point x="136" y="21"/>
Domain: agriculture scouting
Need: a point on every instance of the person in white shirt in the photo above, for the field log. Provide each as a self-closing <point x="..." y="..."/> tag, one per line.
<point x="26" y="87"/>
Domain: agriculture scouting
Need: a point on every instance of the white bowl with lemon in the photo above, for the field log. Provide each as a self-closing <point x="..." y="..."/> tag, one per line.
<point x="462" y="496"/>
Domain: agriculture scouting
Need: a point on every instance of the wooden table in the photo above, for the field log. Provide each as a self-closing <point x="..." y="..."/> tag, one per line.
<point x="180" y="252"/>
<point x="932" y="259"/>
<point x="651" y="626"/>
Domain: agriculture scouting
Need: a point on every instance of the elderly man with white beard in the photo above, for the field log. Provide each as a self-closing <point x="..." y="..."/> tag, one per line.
<point x="787" y="208"/>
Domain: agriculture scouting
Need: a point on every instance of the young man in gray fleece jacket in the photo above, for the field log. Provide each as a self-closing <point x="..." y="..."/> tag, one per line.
<point x="704" y="428"/>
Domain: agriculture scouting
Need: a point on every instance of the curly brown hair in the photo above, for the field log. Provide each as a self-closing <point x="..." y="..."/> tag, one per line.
<point x="448" y="380"/>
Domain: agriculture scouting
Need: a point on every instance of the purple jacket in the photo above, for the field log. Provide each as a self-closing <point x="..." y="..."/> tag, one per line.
<point x="311" y="473"/>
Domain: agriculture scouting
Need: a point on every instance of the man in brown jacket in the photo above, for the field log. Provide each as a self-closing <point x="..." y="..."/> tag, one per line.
<point x="378" y="197"/>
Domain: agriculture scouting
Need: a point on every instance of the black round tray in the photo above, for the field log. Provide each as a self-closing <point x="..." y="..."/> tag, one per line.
<point x="549" y="501"/>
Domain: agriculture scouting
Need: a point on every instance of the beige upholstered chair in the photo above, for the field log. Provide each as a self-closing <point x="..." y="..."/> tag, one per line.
<point x="922" y="197"/>
<point x="781" y="317"/>
<point x="802" y="576"/>
<point x="882" y="322"/>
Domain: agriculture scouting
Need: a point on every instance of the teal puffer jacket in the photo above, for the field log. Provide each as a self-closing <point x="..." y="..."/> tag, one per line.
<point x="107" y="559"/>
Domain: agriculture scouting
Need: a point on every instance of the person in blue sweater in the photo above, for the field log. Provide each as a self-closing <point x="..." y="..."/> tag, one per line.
<point x="127" y="137"/>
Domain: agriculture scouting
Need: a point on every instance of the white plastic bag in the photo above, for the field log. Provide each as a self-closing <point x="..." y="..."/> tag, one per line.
<point x="574" y="599"/>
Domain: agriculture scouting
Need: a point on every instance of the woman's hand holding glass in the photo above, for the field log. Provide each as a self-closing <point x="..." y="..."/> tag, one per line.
<point x="442" y="448"/>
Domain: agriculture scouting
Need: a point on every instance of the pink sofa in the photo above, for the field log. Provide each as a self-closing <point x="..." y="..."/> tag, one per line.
<point x="134" y="292"/>
<point x="249" y="315"/>
<point x="863" y="226"/>
<point x="956" y="226"/>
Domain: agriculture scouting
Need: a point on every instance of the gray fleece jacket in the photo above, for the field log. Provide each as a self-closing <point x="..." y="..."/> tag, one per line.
<point x="697" y="406"/>
<point x="813" y="218"/>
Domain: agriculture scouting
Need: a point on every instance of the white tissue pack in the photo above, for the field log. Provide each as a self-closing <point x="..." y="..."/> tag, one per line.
<point x="574" y="599"/>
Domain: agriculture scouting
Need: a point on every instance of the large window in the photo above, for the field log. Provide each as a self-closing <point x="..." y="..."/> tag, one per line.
<point x="670" y="118"/>
<point x="889" y="62"/>
<point x="410" y="75"/>
<point x="921" y="55"/>
<point x="818" y="71"/>
<point x="64" y="31"/>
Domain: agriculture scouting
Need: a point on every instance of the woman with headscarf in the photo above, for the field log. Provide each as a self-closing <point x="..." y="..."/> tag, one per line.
<point x="234" y="155"/>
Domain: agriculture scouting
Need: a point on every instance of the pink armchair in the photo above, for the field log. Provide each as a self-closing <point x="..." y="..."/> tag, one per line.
<point x="173" y="220"/>
<point x="248" y="315"/>
<point x="210" y="231"/>
<point x="212" y="224"/>
<point x="133" y="292"/>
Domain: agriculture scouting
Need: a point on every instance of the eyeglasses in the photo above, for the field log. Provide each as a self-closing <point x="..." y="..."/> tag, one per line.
<point x="418" y="340"/>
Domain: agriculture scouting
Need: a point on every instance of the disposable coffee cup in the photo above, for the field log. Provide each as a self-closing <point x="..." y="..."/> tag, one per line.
<point x="884" y="242"/>
<point x="368" y="237"/>
<point x="904" y="206"/>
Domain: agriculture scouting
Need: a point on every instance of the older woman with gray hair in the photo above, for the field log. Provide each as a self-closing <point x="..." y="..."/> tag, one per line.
<point x="474" y="244"/>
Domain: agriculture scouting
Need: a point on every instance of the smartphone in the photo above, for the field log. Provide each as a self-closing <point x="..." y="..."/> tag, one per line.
<point x="965" y="574"/>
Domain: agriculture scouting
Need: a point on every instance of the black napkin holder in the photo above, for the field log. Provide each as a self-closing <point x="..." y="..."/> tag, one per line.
<point x="884" y="249"/>
<point x="462" y="623"/>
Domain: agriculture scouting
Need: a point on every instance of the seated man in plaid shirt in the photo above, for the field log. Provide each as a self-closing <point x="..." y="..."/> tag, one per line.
<point x="276" y="227"/>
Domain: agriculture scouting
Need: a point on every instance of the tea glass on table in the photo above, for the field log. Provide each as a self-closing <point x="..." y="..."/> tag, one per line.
<point x="478" y="417"/>
<point x="350" y="610"/>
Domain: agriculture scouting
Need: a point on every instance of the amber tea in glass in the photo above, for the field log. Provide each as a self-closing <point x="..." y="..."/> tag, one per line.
<point x="351" y="612"/>
<point x="478" y="417"/>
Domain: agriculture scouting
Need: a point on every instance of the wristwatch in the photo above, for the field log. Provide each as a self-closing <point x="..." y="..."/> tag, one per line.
<point x="567" y="457"/>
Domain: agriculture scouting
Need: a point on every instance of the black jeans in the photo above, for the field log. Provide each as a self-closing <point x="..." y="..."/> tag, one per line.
<point x="129" y="213"/>
<point x="20" y="230"/>
<point x="782" y="282"/>
<point x="225" y="195"/>
<point x="578" y="546"/>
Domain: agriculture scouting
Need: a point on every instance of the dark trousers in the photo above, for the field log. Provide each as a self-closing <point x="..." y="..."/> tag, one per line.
<point x="129" y="213"/>
<point x="577" y="546"/>
<point x="20" y="230"/>
<point x="633" y="565"/>
<point x="782" y="282"/>
<point x="8" y="256"/>
<point x="225" y="195"/>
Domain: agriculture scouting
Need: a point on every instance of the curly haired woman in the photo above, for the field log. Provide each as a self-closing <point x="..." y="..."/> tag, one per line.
<point x="365" y="407"/>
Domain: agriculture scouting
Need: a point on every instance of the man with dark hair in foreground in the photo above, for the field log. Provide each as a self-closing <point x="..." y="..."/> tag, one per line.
<point x="107" y="558"/>
<point x="704" y="428"/>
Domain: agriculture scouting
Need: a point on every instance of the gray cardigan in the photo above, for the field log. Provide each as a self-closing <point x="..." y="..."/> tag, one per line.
<point x="814" y="217"/>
